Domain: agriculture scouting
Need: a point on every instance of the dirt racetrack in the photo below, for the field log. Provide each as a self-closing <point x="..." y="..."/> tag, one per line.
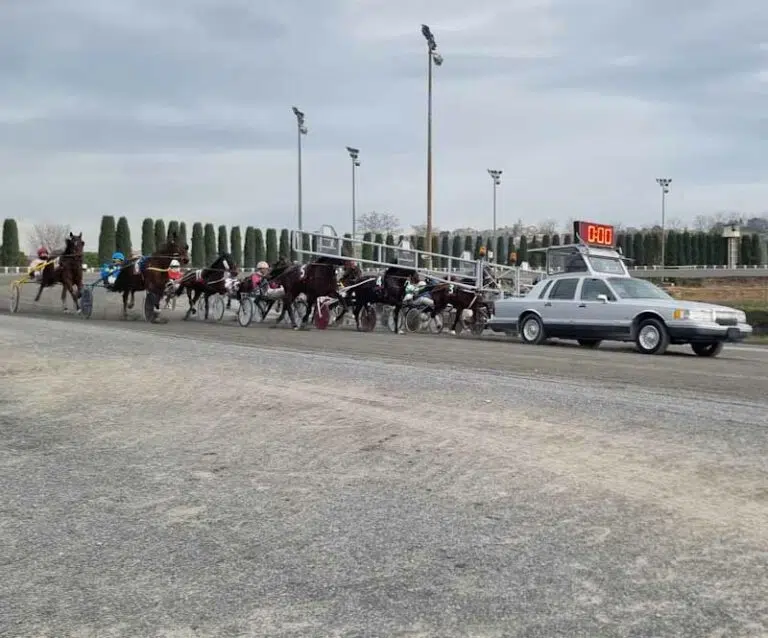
<point x="194" y="479"/>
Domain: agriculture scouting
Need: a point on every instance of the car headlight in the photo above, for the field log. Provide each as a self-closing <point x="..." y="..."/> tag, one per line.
<point x="694" y="315"/>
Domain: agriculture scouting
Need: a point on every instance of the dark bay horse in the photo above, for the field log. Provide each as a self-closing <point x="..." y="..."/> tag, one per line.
<point x="66" y="269"/>
<point x="387" y="289"/>
<point x="217" y="278"/>
<point x="149" y="273"/>
<point x="314" y="280"/>
<point x="461" y="298"/>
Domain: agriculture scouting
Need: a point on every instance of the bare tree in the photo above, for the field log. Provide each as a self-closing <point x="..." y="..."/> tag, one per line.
<point x="703" y="223"/>
<point x="421" y="230"/>
<point x="52" y="236"/>
<point x="548" y="227"/>
<point x="374" y="222"/>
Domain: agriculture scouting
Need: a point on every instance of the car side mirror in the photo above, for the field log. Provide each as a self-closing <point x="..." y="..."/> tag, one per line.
<point x="603" y="298"/>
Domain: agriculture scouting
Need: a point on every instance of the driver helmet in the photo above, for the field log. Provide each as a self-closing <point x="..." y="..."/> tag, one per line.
<point x="262" y="266"/>
<point x="42" y="252"/>
<point x="175" y="264"/>
<point x="118" y="258"/>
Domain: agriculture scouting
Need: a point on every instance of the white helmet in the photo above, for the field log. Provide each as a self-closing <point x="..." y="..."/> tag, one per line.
<point x="175" y="263"/>
<point x="262" y="265"/>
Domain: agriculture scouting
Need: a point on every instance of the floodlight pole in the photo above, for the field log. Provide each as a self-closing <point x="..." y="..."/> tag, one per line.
<point x="433" y="57"/>
<point x="354" y="154"/>
<point x="301" y="130"/>
<point x="664" y="183"/>
<point x="496" y="177"/>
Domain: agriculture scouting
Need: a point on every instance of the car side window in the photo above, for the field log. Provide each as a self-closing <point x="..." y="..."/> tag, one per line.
<point x="564" y="289"/>
<point x="591" y="288"/>
<point x="544" y="289"/>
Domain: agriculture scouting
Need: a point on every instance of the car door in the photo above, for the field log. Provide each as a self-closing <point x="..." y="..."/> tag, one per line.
<point x="558" y="309"/>
<point x="596" y="318"/>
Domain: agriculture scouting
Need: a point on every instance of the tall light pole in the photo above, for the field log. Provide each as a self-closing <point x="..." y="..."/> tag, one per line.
<point x="302" y="130"/>
<point x="664" y="183"/>
<point x="432" y="57"/>
<point x="354" y="154"/>
<point x="496" y="177"/>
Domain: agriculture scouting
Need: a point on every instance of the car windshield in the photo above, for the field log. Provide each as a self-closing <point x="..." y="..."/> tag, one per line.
<point x="606" y="265"/>
<point x="630" y="288"/>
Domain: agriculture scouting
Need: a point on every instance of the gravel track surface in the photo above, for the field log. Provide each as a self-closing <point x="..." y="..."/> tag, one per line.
<point x="740" y="372"/>
<point x="266" y="482"/>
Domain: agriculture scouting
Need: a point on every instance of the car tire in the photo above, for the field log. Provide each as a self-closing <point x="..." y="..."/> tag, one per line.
<point x="708" y="349"/>
<point x="652" y="337"/>
<point x="531" y="330"/>
<point x="590" y="343"/>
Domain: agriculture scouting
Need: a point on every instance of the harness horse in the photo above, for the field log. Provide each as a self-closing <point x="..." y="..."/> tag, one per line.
<point x="149" y="273"/>
<point x="220" y="278"/>
<point x="65" y="269"/>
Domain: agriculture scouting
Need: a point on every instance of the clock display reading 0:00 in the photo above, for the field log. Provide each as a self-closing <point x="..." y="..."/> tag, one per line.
<point x="595" y="234"/>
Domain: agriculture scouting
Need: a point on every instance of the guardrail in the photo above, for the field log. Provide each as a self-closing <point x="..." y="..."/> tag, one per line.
<point x="761" y="267"/>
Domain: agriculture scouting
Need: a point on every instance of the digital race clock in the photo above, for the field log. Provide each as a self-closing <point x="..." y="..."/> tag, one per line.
<point x="594" y="234"/>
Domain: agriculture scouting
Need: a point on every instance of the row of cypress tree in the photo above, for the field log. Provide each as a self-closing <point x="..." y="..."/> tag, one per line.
<point x="682" y="247"/>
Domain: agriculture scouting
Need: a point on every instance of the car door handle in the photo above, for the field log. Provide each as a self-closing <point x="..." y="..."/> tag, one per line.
<point x="582" y="305"/>
<point x="549" y="303"/>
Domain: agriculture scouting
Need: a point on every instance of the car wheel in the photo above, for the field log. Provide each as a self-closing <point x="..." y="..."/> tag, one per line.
<point x="590" y="343"/>
<point x="708" y="349"/>
<point x="652" y="337"/>
<point x="531" y="330"/>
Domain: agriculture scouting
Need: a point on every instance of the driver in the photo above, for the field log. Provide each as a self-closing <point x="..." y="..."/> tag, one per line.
<point x="415" y="289"/>
<point x="36" y="267"/>
<point x="259" y="278"/>
<point x="109" y="272"/>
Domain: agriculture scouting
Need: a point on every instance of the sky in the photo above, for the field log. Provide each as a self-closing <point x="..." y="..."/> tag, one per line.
<point x="181" y="109"/>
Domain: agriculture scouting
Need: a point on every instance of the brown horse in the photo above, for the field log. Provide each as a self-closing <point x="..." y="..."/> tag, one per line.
<point x="66" y="269"/>
<point x="315" y="280"/>
<point x="149" y="274"/>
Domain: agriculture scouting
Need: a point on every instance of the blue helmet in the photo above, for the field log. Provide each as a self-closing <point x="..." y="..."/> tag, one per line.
<point x="118" y="257"/>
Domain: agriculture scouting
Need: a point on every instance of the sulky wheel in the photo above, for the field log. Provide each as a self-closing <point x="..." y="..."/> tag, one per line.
<point x="216" y="307"/>
<point x="368" y="318"/>
<point x="414" y="320"/>
<point x="200" y="313"/>
<point x="245" y="312"/>
<point x="15" y="296"/>
<point x="150" y="301"/>
<point x="86" y="302"/>
<point x="479" y="320"/>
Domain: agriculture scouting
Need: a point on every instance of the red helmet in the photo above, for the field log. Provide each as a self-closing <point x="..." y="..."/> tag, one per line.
<point x="42" y="252"/>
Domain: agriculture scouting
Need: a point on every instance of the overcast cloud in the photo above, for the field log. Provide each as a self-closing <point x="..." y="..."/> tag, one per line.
<point x="182" y="109"/>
